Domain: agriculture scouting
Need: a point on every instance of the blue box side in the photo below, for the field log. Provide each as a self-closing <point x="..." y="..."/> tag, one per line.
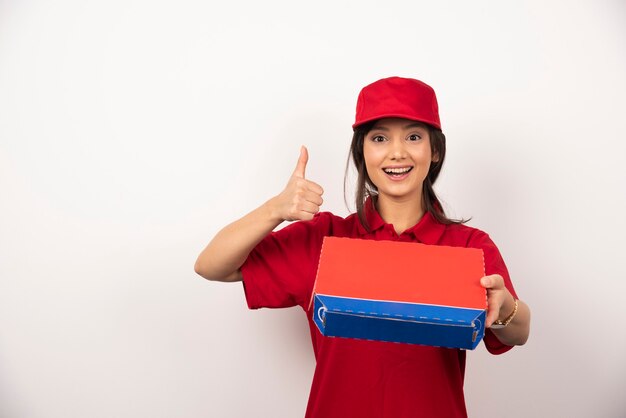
<point x="442" y="326"/>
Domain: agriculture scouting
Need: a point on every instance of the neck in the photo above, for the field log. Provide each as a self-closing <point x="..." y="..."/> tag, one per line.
<point x="401" y="213"/>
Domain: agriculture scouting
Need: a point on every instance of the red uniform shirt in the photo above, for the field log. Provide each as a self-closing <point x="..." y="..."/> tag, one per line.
<point x="358" y="378"/>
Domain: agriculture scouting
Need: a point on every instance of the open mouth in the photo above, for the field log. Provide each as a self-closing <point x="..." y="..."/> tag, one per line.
<point x="397" y="171"/>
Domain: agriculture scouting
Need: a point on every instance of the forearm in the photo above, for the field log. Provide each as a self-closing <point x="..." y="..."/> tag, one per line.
<point x="517" y="331"/>
<point x="228" y="250"/>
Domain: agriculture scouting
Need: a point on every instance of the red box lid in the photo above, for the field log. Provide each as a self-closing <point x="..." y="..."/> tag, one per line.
<point x="402" y="272"/>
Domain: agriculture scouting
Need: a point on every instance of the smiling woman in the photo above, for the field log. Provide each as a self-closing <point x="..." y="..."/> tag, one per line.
<point x="398" y="149"/>
<point x="367" y="188"/>
<point x="398" y="156"/>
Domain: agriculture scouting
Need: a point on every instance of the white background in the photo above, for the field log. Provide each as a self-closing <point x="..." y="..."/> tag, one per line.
<point x="131" y="131"/>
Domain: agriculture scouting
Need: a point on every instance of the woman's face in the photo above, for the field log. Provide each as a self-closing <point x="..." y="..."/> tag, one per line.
<point x="397" y="157"/>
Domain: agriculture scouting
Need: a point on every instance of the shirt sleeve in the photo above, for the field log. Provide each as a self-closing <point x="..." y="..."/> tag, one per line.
<point x="280" y="271"/>
<point x="494" y="264"/>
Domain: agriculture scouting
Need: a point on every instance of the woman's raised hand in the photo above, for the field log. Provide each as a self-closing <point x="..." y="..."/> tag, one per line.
<point x="301" y="198"/>
<point x="225" y="254"/>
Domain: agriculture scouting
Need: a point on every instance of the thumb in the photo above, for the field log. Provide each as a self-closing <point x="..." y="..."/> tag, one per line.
<point x="302" y="160"/>
<point x="485" y="282"/>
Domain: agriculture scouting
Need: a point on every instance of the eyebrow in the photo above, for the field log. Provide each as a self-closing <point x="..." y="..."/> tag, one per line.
<point x="409" y="126"/>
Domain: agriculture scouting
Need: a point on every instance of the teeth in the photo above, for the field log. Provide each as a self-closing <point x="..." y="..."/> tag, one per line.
<point x="397" y="170"/>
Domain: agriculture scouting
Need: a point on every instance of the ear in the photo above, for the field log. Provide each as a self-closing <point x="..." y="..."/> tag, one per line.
<point x="435" y="157"/>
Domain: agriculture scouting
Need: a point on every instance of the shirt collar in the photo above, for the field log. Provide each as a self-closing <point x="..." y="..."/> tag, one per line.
<point x="427" y="230"/>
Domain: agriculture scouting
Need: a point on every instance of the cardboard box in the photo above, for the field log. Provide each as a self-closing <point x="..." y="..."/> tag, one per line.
<point x="400" y="292"/>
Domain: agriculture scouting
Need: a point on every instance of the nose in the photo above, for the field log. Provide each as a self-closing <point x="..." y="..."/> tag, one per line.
<point x="397" y="150"/>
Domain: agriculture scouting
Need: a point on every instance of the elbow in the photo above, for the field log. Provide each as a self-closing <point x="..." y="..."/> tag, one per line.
<point x="512" y="341"/>
<point x="201" y="270"/>
<point x="526" y="330"/>
<point x="522" y="340"/>
<point x="213" y="275"/>
<point x="525" y="335"/>
<point x="522" y="336"/>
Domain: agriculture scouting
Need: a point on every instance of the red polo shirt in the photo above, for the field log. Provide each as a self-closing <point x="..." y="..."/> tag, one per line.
<point x="357" y="378"/>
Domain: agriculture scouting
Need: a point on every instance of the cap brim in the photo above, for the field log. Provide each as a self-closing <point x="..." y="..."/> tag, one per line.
<point x="395" y="115"/>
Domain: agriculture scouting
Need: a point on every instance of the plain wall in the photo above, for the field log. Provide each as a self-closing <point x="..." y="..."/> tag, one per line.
<point x="132" y="131"/>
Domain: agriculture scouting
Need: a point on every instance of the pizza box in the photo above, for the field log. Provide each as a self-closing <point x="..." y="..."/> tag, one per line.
<point x="400" y="292"/>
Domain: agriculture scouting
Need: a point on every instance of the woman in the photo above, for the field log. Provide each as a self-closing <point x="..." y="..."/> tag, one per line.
<point x="398" y="149"/>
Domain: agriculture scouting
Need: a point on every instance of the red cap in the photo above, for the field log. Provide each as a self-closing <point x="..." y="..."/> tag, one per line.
<point x="397" y="97"/>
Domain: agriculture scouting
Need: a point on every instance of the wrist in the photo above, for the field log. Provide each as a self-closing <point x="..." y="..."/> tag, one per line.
<point x="502" y="322"/>
<point x="507" y="307"/>
<point x="272" y="210"/>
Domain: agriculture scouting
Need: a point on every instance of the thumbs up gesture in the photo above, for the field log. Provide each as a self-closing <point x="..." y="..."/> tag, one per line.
<point x="301" y="198"/>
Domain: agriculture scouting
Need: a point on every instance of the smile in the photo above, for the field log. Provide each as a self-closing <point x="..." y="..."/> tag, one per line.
<point x="397" y="171"/>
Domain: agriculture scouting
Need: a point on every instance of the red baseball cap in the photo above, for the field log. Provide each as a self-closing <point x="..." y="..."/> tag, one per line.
<point x="397" y="97"/>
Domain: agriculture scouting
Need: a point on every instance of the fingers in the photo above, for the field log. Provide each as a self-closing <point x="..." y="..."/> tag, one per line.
<point x="304" y="204"/>
<point x="493" y="312"/>
<point x="309" y="207"/>
<point x="313" y="198"/>
<point x="314" y="187"/>
<point x="302" y="161"/>
<point x="496" y="296"/>
<point x="302" y="211"/>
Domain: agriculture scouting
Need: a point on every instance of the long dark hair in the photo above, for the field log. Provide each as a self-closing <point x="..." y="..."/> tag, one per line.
<point x="365" y="188"/>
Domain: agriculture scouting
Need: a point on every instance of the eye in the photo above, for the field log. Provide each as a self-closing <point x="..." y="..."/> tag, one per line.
<point x="378" y="138"/>
<point x="414" y="137"/>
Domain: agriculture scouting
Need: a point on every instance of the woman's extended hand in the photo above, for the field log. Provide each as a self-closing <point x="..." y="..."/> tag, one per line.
<point x="301" y="198"/>
<point x="500" y="302"/>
